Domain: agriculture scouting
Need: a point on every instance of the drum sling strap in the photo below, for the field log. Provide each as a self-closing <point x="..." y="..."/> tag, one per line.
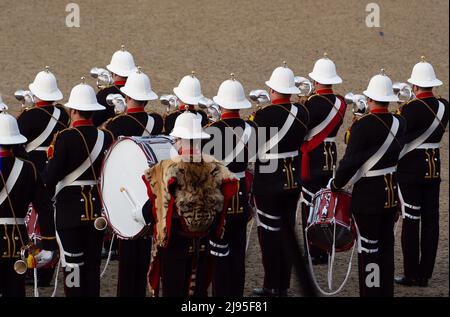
<point x="12" y="179"/>
<point x="378" y="154"/>
<point x="421" y="139"/>
<point x="73" y="176"/>
<point x="148" y="127"/>
<point x="33" y="145"/>
<point x="273" y="141"/>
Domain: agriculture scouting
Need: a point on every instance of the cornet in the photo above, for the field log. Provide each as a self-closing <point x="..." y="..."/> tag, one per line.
<point x="27" y="254"/>
<point x="403" y="91"/>
<point x="26" y="97"/>
<point x="305" y="85"/>
<point x="170" y="101"/>
<point x="259" y="96"/>
<point x="211" y="107"/>
<point x="103" y="76"/>
<point x="118" y="102"/>
<point x="359" y="102"/>
<point x="100" y="223"/>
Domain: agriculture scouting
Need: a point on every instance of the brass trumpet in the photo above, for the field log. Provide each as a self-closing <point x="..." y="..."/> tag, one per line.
<point x="359" y="102"/>
<point x="103" y="76"/>
<point x="26" y="97"/>
<point x="100" y="223"/>
<point x="118" y="102"/>
<point x="26" y="260"/>
<point x="403" y="91"/>
<point x="213" y="109"/>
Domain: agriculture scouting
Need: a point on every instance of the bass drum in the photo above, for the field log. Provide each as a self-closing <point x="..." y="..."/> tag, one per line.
<point x="122" y="187"/>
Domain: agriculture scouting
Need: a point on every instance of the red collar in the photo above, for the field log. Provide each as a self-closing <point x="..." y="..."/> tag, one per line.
<point x="5" y="153"/>
<point x="189" y="152"/>
<point x="82" y="122"/>
<point x="120" y="83"/>
<point x="182" y="107"/>
<point x="135" y="110"/>
<point x="230" y="115"/>
<point x="325" y="91"/>
<point x="43" y="103"/>
<point x="379" y="110"/>
<point x="281" y="101"/>
<point x="426" y="94"/>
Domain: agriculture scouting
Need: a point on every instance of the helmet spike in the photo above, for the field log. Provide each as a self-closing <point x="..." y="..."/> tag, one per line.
<point x="122" y="48"/>
<point x="47" y="69"/>
<point x="232" y="76"/>
<point x="83" y="80"/>
<point x="193" y="74"/>
<point x="284" y="64"/>
<point x="423" y="59"/>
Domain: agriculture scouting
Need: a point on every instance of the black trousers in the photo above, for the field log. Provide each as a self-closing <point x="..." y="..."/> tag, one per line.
<point x="134" y="262"/>
<point x="420" y="232"/>
<point x="228" y="258"/>
<point x="80" y="251"/>
<point x="184" y="271"/>
<point x="309" y="189"/>
<point x="11" y="283"/>
<point x="272" y="212"/>
<point x="376" y="254"/>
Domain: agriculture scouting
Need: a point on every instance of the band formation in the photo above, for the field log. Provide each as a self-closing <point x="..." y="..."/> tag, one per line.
<point x="174" y="197"/>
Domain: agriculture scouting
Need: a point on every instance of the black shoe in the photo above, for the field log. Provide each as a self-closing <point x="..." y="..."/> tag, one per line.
<point x="422" y="282"/>
<point x="405" y="281"/>
<point x="266" y="292"/>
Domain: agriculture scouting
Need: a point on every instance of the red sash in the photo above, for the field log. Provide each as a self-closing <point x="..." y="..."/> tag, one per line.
<point x="310" y="145"/>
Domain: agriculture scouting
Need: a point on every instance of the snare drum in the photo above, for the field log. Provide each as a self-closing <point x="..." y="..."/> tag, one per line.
<point x="329" y="212"/>
<point x="122" y="187"/>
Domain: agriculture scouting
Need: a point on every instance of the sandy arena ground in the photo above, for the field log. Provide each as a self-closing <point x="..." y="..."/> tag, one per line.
<point x="250" y="38"/>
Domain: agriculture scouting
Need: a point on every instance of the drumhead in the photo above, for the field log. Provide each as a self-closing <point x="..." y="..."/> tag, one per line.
<point x="123" y="168"/>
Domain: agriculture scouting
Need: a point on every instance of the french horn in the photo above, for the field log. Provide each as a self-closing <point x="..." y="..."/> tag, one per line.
<point x="403" y="91"/>
<point x="359" y="102"/>
<point x="212" y="108"/>
<point x="103" y="76"/>
<point x="26" y="97"/>
<point x="118" y="102"/>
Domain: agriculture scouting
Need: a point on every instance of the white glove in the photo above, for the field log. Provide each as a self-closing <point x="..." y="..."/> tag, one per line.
<point x="138" y="216"/>
<point x="329" y="183"/>
<point x="43" y="258"/>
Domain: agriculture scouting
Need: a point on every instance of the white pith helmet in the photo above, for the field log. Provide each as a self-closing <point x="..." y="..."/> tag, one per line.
<point x="423" y="75"/>
<point x="83" y="98"/>
<point x="189" y="90"/>
<point x="9" y="129"/>
<point x="139" y="87"/>
<point x="324" y="72"/>
<point x="45" y="86"/>
<point x="122" y="63"/>
<point x="380" y="89"/>
<point x="282" y="81"/>
<point x="231" y="95"/>
<point x="188" y="126"/>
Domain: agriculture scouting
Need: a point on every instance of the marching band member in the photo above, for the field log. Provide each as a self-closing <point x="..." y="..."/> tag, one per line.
<point x="369" y="163"/>
<point x="319" y="151"/>
<point x="190" y="193"/>
<point x="39" y="124"/>
<point x="20" y="185"/>
<point x="189" y="92"/>
<point x="419" y="176"/>
<point x="276" y="183"/>
<point x="75" y="158"/>
<point x="234" y="136"/>
<point x="134" y="255"/>
<point x="121" y="66"/>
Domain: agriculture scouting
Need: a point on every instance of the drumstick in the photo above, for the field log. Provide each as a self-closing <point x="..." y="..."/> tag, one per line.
<point x="127" y="195"/>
